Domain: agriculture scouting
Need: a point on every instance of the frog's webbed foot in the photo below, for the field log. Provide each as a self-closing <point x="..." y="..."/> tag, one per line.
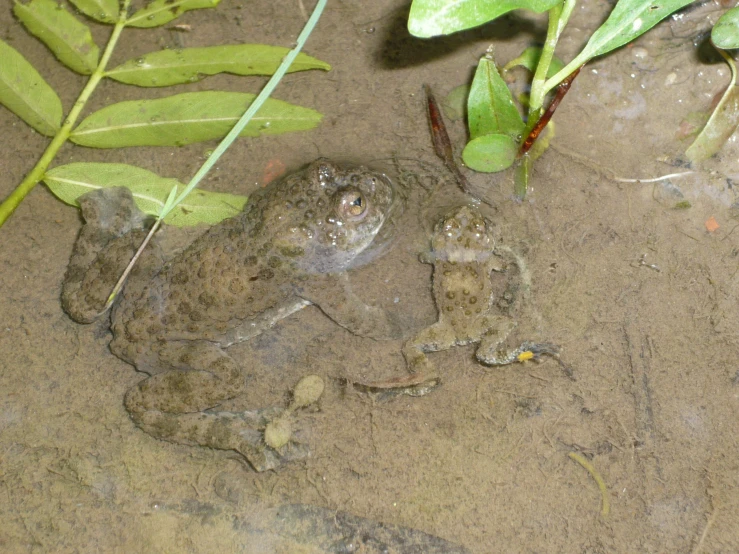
<point x="265" y="438"/>
<point x="242" y="432"/>
<point x="114" y="228"/>
<point x="527" y="351"/>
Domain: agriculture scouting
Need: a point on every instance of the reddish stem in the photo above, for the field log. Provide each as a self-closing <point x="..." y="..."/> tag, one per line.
<point x="562" y="89"/>
<point x="440" y="138"/>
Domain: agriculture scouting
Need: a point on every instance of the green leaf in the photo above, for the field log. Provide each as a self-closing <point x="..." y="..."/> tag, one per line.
<point x="720" y="127"/>
<point x="160" y="12"/>
<point x="628" y="20"/>
<point x="150" y="191"/>
<point x="455" y="103"/>
<point x="25" y="93"/>
<point x="430" y="18"/>
<point x="490" y="107"/>
<point x="725" y="33"/>
<point x="490" y="153"/>
<point x="187" y="118"/>
<point x="104" y="11"/>
<point x="529" y="59"/>
<point x="66" y="37"/>
<point x="172" y="67"/>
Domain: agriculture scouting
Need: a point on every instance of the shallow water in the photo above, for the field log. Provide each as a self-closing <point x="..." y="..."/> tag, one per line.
<point x="641" y="297"/>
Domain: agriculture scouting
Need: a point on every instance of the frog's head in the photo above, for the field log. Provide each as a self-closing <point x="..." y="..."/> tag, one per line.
<point x="334" y="215"/>
<point x="463" y="235"/>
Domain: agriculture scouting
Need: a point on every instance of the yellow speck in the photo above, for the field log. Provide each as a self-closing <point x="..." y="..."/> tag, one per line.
<point x="527" y="355"/>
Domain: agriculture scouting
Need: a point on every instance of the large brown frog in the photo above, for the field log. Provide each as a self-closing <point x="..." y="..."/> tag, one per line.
<point x="290" y="247"/>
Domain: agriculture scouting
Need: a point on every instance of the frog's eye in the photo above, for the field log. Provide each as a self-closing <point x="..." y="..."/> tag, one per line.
<point x="353" y="205"/>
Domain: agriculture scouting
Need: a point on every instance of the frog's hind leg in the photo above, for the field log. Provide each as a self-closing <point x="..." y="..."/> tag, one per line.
<point x="114" y="228"/>
<point x="489" y="353"/>
<point x="422" y="376"/>
<point x="171" y="406"/>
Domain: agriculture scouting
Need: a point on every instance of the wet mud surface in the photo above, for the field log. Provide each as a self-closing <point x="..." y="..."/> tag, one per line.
<point x="641" y="297"/>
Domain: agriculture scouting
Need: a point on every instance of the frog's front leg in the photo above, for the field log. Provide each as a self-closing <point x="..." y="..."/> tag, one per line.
<point x="332" y="293"/>
<point x="171" y="405"/>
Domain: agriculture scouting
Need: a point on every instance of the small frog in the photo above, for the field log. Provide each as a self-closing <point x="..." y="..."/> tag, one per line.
<point x="290" y="247"/>
<point x="465" y="259"/>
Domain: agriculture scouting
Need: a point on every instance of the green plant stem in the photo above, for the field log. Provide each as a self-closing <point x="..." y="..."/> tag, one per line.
<point x="9" y="205"/>
<point x="732" y="66"/>
<point x="253" y="108"/>
<point x="558" y="18"/>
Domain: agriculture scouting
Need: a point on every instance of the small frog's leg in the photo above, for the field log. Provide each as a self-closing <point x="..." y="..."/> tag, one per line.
<point x="168" y="405"/>
<point x="527" y="351"/>
<point x="114" y="229"/>
<point x="499" y="327"/>
<point x="523" y="269"/>
<point x="422" y="377"/>
<point x="433" y="338"/>
<point x="333" y="295"/>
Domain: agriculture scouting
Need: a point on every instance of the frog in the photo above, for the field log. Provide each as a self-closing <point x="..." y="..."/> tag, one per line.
<point x="465" y="260"/>
<point x="292" y="246"/>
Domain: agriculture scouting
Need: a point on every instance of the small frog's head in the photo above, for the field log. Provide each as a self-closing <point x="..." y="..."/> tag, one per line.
<point x="463" y="235"/>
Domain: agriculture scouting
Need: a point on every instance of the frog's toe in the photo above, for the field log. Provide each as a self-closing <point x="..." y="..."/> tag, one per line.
<point x="535" y="350"/>
<point x="263" y="457"/>
<point x="112" y="211"/>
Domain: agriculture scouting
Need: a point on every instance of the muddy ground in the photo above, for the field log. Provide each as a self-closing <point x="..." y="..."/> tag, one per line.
<point x="641" y="296"/>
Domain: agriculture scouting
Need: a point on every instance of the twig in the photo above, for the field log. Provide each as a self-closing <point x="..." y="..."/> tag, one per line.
<point x="654" y="179"/>
<point x="13" y="200"/>
<point x="440" y="138"/>
<point x="605" y="503"/>
<point x="709" y="523"/>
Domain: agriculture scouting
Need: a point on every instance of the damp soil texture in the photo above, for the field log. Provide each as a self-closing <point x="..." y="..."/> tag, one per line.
<point x="640" y="293"/>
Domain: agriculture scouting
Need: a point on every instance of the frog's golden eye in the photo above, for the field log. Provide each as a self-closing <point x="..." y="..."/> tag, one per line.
<point x="353" y="205"/>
